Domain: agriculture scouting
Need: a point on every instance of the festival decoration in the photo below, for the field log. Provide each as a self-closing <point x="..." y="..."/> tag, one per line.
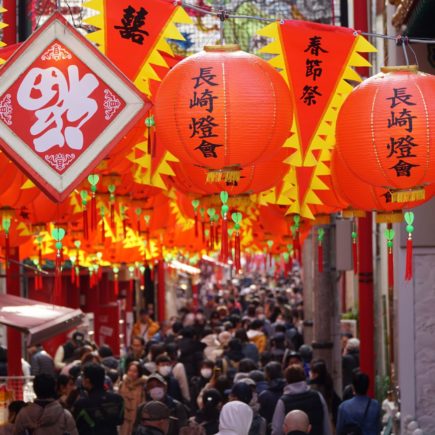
<point x="409" y="218"/>
<point x="384" y="132"/>
<point x="77" y="105"/>
<point x="316" y="61"/>
<point x="207" y="111"/>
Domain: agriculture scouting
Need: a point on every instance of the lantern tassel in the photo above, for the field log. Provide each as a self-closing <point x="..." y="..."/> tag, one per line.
<point x="7" y="256"/>
<point x="211" y="236"/>
<point x="390" y="268"/>
<point x="224" y="241"/>
<point x="196" y="225"/>
<point x="355" y="256"/>
<point x="77" y="270"/>
<point x="412" y="195"/>
<point x="237" y="252"/>
<point x="203" y="231"/>
<point x="112" y="215"/>
<point x="290" y="263"/>
<point x="408" y="274"/>
<point x="93" y="212"/>
<point x="73" y="274"/>
<point x="149" y="141"/>
<point x="116" y="286"/>
<point x="124" y="227"/>
<point x="103" y="230"/>
<point x="216" y="234"/>
<point x="57" y="278"/>
<point x="85" y="224"/>
<point x="320" y="257"/>
<point x="154" y="151"/>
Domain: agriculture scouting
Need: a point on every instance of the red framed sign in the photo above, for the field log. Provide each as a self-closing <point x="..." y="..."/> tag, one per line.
<point x="63" y="107"/>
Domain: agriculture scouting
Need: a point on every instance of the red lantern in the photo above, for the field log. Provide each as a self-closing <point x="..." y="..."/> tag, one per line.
<point x="223" y="108"/>
<point x="384" y="130"/>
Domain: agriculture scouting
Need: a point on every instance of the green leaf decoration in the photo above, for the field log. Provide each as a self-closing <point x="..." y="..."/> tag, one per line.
<point x="84" y="195"/>
<point x="195" y="203"/>
<point x="230" y="232"/>
<point x="211" y="212"/>
<point x="6" y="223"/>
<point x="77" y="244"/>
<point x="147" y="218"/>
<point x="410" y="228"/>
<point x="354" y="235"/>
<point x="58" y="234"/>
<point x="290" y="247"/>
<point x="150" y="122"/>
<point x="93" y="179"/>
<point x="58" y="245"/>
<point x="270" y="243"/>
<point x="297" y="220"/>
<point x="320" y="234"/>
<point x="224" y="197"/>
<point x="286" y="256"/>
<point x="138" y="211"/>
<point x="389" y="234"/>
<point x="111" y="188"/>
<point x="102" y="211"/>
<point x="202" y="211"/>
<point x="409" y="217"/>
<point x="236" y="217"/>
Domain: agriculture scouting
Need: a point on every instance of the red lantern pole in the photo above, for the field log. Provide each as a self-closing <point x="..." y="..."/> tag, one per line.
<point x="366" y="299"/>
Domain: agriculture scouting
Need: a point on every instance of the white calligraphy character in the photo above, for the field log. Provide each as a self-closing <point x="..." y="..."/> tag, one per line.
<point x="56" y="100"/>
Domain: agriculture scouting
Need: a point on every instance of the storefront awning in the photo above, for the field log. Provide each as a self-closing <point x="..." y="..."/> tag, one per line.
<point x="40" y="321"/>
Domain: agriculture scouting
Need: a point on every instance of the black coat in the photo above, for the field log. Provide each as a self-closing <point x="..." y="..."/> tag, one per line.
<point x="269" y="398"/>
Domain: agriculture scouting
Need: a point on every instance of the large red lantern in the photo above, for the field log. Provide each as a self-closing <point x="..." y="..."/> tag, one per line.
<point x="385" y="130"/>
<point x="223" y="109"/>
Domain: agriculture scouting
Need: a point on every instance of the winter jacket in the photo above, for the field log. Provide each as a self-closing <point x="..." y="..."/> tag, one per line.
<point x="235" y="419"/>
<point x="269" y="398"/>
<point x="133" y="393"/>
<point x="250" y="350"/>
<point x="45" y="417"/>
<point x="42" y="363"/>
<point x="258" y="338"/>
<point x="150" y="329"/>
<point x="213" y="348"/>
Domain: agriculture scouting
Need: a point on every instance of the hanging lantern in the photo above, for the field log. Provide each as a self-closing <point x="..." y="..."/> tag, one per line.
<point x="223" y="109"/>
<point x="384" y="131"/>
<point x="362" y="196"/>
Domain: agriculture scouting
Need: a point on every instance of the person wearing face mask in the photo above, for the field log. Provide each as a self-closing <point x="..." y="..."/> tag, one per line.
<point x="164" y="368"/>
<point x="156" y="389"/>
<point x="200" y="383"/>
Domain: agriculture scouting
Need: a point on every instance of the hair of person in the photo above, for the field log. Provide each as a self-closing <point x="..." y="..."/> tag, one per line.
<point x="63" y="380"/>
<point x="95" y="374"/>
<point x="16" y="405"/>
<point x="360" y="382"/>
<point x="273" y="370"/>
<point x="44" y="386"/>
<point x="163" y="358"/>
<point x="265" y="358"/>
<point x="157" y="349"/>
<point x="246" y="365"/>
<point x="143" y="312"/>
<point x="104" y="351"/>
<point x="138" y="366"/>
<point x="177" y="327"/>
<point x="207" y="363"/>
<point x="241" y="335"/>
<point x="257" y="324"/>
<point x="257" y="376"/>
<point x="295" y="373"/>
<point x="353" y="344"/>
<point x="172" y="350"/>
<point x="137" y="338"/>
<point x="251" y="310"/>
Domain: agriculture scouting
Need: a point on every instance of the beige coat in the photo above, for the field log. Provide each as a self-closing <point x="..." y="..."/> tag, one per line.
<point x="133" y="393"/>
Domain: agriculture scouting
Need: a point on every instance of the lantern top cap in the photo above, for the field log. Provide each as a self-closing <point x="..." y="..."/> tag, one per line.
<point x="222" y="48"/>
<point x="399" y="68"/>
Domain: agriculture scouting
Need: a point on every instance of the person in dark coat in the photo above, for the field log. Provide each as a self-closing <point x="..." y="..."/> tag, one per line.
<point x="350" y="361"/>
<point x="269" y="398"/>
<point x="191" y="351"/>
<point x="208" y="415"/>
<point x="100" y="412"/>
<point x="154" y="419"/>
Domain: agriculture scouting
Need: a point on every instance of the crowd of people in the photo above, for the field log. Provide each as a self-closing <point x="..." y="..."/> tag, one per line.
<point x="237" y="365"/>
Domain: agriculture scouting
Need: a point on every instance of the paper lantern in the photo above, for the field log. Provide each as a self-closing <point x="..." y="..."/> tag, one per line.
<point x="253" y="178"/>
<point x="385" y="131"/>
<point x="223" y="109"/>
<point x="363" y="196"/>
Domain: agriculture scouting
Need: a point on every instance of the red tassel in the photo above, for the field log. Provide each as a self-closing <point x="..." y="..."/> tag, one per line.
<point x="40" y="285"/>
<point x="355" y="256"/>
<point x="77" y="277"/>
<point x="7" y="255"/>
<point x="320" y="257"/>
<point x="85" y="224"/>
<point x="116" y="286"/>
<point x="224" y="242"/>
<point x="211" y="235"/>
<point x="408" y="274"/>
<point x="124" y="227"/>
<point x="196" y="224"/>
<point x="390" y="268"/>
<point x="112" y="215"/>
<point x="154" y="144"/>
<point x="230" y="248"/>
<point x="73" y="275"/>
<point x="237" y="252"/>
<point x="203" y="231"/>
<point x="103" y="230"/>
<point x="138" y="224"/>
<point x="216" y="234"/>
<point x="58" y="279"/>
<point x="290" y="263"/>
<point x="93" y="212"/>
<point x="149" y="141"/>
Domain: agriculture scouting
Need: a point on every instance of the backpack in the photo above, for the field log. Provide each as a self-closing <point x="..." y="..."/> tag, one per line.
<point x="193" y="428"/>
<point x="355" y="428"/>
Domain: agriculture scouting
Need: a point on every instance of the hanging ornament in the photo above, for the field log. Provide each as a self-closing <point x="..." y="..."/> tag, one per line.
<point x="111" y="188"/>
<point x="77" y="244"/>
<point x="58" y="234"/>
<point x="202" y="212"/>
<point x="409" y="219"/>
<point x="84" y="196"/>
<point x="131" y="273"/>
<point x="269" y="252"/>
<point x="72" y="259"/>
<point x="389" y="235"/>
<point x="138" y="213"/>
<point x="297" y="243"/>
<point x="150" y="123"/>
<point x="211" y="212"/>
<point x="93" y="181"/>
<point x="147" y="219"/>
<point x="224" y="213"/>
<point x="355" y="247"/>
<point x="195" y="204"/>
<point x="103" y="224"/>
<point x="38" y="275"/>
<point x="122" y="211"/>
<point x="320" y="237"/>
<point x="230" y="244"/>
<point x="237" y="219"/>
